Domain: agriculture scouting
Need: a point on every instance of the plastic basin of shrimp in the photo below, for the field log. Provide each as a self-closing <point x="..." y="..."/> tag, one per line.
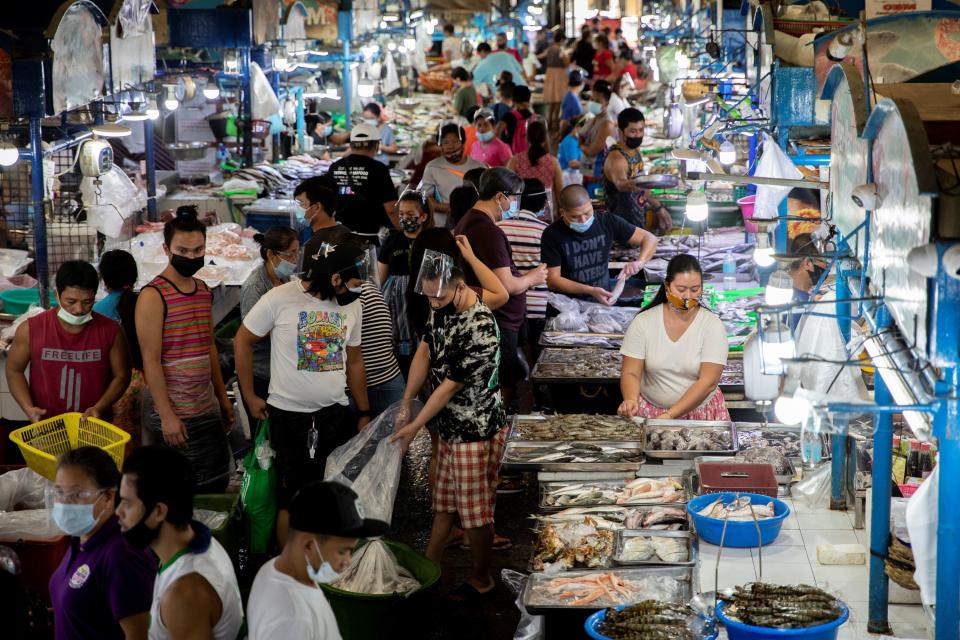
<point x="592" y="625"/>
<point x="739" y="631"/>
<point x="740" y="534"/>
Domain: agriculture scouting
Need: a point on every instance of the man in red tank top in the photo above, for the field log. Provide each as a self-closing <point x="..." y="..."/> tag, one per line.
<point x="78" y="359"/>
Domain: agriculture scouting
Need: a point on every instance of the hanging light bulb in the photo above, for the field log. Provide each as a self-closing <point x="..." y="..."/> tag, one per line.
<point x="791" y="408"/>
<point x="170" y="101"/>
<point x="9" y="154"/>
<point x="365" y="88"/>
<point x="697" y="207"/>
<point x="779" y="289"/>
<point x="727" y="154"/>
<point x="776" y="345"/>
<point x="138" y="107"/>
<point x="211" y="91"/>
<point x="153" y="111"/>
<point x="763" y="254"/>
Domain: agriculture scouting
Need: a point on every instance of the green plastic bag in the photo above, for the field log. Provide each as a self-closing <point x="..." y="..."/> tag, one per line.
<point x="258" y="493"/>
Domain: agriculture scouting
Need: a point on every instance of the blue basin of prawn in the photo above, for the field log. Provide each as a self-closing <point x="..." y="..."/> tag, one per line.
<point x="592" y="624"/>
<point x="739" y="631"/>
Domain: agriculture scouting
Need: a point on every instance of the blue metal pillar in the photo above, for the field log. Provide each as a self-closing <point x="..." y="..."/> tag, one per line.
<point x="880" y="503"/>
<point x="842" y="457"/>
<point x="39" y="218"/>
<point x="946" y="425"/>
<point x="151" y="162"/>
<point x="301" y="122"/>
<point x="345" y="33"/>
<point x="247" y="107"/>
<point x="781" y="238"/>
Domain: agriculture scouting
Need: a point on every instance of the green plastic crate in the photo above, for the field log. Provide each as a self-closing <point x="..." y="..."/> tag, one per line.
<point x="363" y="616"/>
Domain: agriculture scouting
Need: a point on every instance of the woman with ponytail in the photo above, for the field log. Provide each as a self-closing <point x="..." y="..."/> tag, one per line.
<point x="674" y="352"/>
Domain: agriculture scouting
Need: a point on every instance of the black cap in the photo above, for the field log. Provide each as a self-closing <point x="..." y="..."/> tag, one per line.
<point x="332" y="509"/>
<point x="576" y="78"/>
<point x="322" y="258"/>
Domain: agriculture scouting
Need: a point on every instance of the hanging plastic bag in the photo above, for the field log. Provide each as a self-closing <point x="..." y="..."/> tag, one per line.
<point x="814" y="490"/>
<point x="774" y="163"/>
<point x="530" y="627"/>
<point x="258" y="491"/>
<point x="264" y="101"/>
<point x="370" y="464"/>
<point x="922" y="519"/>
<point x="112" y="202"/>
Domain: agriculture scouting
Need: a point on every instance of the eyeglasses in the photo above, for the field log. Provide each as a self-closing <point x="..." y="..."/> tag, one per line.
<point x="73" y="496"/>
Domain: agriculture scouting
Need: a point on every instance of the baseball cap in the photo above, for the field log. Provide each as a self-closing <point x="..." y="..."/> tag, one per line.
<point x="323" y="258"/>
<point x="364" y="132"/>
<point x="332" y="509"/>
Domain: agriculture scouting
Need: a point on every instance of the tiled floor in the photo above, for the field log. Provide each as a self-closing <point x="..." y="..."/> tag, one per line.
<point x="792" y="559"/>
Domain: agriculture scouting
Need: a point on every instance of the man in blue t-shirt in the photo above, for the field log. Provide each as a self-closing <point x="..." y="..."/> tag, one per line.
<point x="576" y="248"/>
<point x="571" y="107"/>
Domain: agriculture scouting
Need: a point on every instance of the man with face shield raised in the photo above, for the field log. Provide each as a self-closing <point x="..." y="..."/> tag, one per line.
<point x="576" y="248"/>
<point x="444" y="174"/>
<point x="314" y="328"/>
<point x="460" y="354"/>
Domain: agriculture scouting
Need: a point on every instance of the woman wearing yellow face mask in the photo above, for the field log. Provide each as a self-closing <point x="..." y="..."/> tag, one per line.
<point x="674" y="352"/>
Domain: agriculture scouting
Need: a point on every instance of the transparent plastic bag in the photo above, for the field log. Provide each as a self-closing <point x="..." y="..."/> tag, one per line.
<point x="112" y="202"/>
<point x="24" y="488"/>
<point x="923" y="516"/>
<point x="774" y="163"/>
<point x="570" y="318"/>
<point x="370" y="464"/>
<point x="530" y="627"/>
<point x="375" y="570"/>
<point x="814" y="490"/>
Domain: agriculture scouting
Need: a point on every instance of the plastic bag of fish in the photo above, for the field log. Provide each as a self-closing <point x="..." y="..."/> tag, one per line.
<point x="742" y="511"/>
<point x="595" y="589"/>
<point x="689" y="439"/>
<point x="572" y="544"/>
<point x="572" y="452"/>
<point x="375" y="570"/>
<point x="638" y="491"/>
<point x="576" y="427"/>
<point x="654" y="548"/>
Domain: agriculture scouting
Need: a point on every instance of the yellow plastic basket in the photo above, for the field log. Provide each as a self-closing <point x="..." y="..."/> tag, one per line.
<point x="42" y="443"/>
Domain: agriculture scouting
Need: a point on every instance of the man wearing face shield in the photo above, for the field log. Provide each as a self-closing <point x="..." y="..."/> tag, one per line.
<point x="500" y="191"/>
<point x="576" y="248"/>
<point x="286" y="601"/>
<point x="314" y="327"/>
<point x="460" y="355"/>
<point x="444" y="174"/>
<point x="622" y="167"/>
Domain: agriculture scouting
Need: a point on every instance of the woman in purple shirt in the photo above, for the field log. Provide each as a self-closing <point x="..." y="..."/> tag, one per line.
<point x="103" y="588"/>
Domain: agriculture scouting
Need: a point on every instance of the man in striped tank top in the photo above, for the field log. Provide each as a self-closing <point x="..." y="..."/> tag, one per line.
<point x="186" y="404"/>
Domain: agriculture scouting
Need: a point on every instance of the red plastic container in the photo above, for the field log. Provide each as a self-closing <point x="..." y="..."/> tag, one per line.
<point x="725" y="477"/>
<point x="39" y="558"/>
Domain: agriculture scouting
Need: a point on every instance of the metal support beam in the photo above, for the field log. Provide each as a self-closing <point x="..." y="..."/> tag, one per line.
<point x="153" y="214"/>
<point x="946" y="425"/>
<point x="880" y="507"/>
<point x="345" y="33"/>
<point x="39" y="213"/>
<point x="247" y="107"/>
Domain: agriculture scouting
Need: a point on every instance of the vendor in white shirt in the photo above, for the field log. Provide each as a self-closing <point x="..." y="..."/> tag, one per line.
<point x="674" y="352"/>
<point x="818" y="339"/>
<point x="286" y="601"/>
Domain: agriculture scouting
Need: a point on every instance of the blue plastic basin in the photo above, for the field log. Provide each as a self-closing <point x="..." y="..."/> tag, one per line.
<point x="739" y="631"/>
<point x="592" y="624"/>
<point x="740" y="535"/>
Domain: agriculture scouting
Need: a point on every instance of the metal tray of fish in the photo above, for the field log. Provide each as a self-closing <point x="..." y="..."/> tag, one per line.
<point x="732" y="375"/>
<point x="575" y="426"/>
<point x="664" y="517"/>
<point x="675" y="548"/>
<point x="786" y="439"/>
<point x="784" y="478"/>
<point x="567" y="339"/>
<point x="688" y="439"/>
<point x="579" y="544"/>
<point x="598" y="455"/>
<point x="578" y="364"/>
<point x="593" y="589"/>
<point x="556" y="496"/>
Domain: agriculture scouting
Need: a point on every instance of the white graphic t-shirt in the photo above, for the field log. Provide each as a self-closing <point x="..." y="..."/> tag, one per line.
<point x="308" y="342"/>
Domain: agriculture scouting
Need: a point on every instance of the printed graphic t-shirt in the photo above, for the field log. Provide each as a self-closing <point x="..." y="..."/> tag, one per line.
<point x="585" y="257"/>
<point x="308" y="342"/>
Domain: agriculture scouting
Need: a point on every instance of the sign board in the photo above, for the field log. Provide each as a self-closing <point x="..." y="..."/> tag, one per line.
<point x="878" y="8"/>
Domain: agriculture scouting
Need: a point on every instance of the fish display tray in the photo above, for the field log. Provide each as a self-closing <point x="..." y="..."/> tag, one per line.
<point x="574" y="365"/>
<point x="748" y="434"/>
<point x="616" y="513"/>
<point x="514" y="459"/>
<point x="568" y="339"/>
<point x="677" y="425"/>
<point x="784" y="479"/>
<point x="614" y="485"/>
<point x="689" y="539"/>
<point x="608" y="425"/>
<point x="536" y="603"/>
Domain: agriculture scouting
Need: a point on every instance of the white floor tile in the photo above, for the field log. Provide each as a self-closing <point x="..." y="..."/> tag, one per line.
<point x="729" y="577"/>
<point x="790" y="523"/>
<point x="836" y="520"/>
<point x="781" y="573"/>
<point x="788" y="538"/>
<point x="782" y="555"/>
<point x="863" y="538"/>
<point x="709" y="551"/>
<point x="909" y="615"/>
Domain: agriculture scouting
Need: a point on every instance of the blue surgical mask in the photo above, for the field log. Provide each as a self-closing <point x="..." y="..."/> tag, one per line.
<point x="582" y="227"/>
<point x="357" y="290"/>
<point x="284" y="269"/>
<point x="594" y="107"/>
<point x="512" y="211"/>
<point x="301" y="214"/>
<point x="373" y="122"/>
<point x="324" y="575"/>
<point x="71" y="319"/>
<point x="328" y="131"/>
<point x="74" y="519"/>
<point x="485" y="137"/>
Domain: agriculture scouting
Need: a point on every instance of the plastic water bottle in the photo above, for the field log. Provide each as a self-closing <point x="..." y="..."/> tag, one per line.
<point x="811" y="446"/>
<point x="729" y="271"/>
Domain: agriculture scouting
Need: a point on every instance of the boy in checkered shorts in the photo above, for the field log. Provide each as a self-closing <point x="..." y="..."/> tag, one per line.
<point x="460" y="353"/>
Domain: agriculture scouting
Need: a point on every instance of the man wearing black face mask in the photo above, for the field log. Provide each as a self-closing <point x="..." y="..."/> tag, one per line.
<point x="195" y="593"/>
<point x="314" y="329"/>
<point x="186" y="403"/>
<point x="624" y="164"/>
<point x="444" y="174"/>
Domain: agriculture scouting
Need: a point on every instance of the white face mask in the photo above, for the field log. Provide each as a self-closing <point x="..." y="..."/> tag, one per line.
<point x="325" y="574"/>
<point x="71" y="319"/>
<point x="74" y="519"/>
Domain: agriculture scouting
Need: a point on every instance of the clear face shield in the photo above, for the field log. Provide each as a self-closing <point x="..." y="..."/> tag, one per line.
<point x="435" y="278"/>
